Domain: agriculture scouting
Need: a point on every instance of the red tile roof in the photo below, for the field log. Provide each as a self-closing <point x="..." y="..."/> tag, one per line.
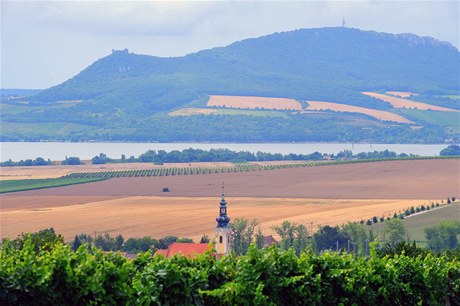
<point x="269" y="240"/>
<point x="186" y="249"/>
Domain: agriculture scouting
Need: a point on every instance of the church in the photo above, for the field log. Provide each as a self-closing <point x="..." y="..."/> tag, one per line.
<point x="222" y="239"/>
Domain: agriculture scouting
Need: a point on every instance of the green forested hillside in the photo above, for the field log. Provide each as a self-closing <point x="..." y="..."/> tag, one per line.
<point x="127" y="96"/>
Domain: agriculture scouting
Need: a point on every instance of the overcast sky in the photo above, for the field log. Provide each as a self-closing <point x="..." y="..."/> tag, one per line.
<point x="44" y="43"/>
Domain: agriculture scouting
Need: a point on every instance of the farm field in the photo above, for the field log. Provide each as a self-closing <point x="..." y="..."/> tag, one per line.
<point x="254" y="102"/>
<point x="21" y="185"/>
<point x="406" y="103"/>
<point x="185" y="216"/>
<point x="325" y="195"/>
<point x="227" y="111"/>
<point x="401" y="179"/>
<point x="39" y="172"/>
<point x="378" y="114"/>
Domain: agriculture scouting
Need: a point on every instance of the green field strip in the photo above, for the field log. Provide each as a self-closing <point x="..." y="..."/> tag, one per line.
<point x="32" y="184"/>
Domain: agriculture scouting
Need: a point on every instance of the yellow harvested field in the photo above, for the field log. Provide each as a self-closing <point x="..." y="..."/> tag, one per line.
<point x="378" y="114"/>
<point x="193" y="111"/>
<point x="40" y="172"/>
<point x="192" y="217"/>
<point x="405" y="103"/>
<point x="402" y="94"/>
<point x="254" y="102"/>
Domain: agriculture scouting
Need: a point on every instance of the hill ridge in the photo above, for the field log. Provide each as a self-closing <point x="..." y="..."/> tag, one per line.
<point x="125" y="91"/>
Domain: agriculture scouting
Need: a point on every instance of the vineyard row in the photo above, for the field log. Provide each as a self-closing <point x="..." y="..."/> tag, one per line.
<point x="171" y="171"/>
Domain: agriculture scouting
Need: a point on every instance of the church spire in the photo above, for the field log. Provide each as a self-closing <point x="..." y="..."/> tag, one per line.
<point x="223" y="196"/>
<point x="223" y="219"/>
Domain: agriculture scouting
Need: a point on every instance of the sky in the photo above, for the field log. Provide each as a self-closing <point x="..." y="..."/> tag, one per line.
<point x="44" y="43"/>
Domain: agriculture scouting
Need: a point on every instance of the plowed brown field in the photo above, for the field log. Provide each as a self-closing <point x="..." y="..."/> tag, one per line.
<point x="381" y="115"/>
<point x="405" y="103"/>
<point x="324" y="195"/>
<point x="254" y="102"/>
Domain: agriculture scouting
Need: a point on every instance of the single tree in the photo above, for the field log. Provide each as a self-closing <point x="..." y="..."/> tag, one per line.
<point x="205" y="239"/>
<point x="395" y="231"/>
<point x="242" y="234"/>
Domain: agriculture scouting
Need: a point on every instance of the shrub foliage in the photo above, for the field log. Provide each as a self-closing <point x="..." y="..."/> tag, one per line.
<point x="58" y="275"/>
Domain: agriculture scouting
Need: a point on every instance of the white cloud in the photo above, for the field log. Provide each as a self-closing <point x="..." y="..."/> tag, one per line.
<point x="119" y="18"/>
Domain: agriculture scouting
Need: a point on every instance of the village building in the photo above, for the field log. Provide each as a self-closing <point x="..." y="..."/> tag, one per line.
<point x="269" y="241"/>
<point x="222" y="241"/>
<point x="186" y="249"/>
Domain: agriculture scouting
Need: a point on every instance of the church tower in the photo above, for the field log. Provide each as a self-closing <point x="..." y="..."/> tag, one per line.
<point x="223" y="230"/>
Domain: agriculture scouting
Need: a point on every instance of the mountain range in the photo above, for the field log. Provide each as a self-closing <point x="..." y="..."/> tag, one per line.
<point x="126" y="96"/>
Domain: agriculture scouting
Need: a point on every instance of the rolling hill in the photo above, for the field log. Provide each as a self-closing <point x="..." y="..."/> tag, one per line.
<point x="126" y="96"/>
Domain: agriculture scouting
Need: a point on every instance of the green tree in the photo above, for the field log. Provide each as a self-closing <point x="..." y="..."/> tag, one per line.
<point x="452" y="150"/>
<point x="260" y="241"/>
<point x="42" y="240"/>
<point x="358" y="237"/>
<point x="164" y="242"/>
<point x="185" y="240"/>
<point x="82" y="239"/>
<point x="205" y="239"/>
<point x="105" y="242"/>
<point x="137" y="245"/>
<point x="395" y="231"/>
<point x="72" y="161"/>
<point x="119" y="240"/>
<point x="287" y="232"/>
<point x="242" y="234"/>
<point x="443" y="236"/>
<point x="101" y="159"/>
<point x="330" y="238"/>
<point x="301" y="240"/>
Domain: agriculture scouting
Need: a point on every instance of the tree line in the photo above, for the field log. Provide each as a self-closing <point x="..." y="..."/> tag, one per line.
<point x="221" y="155"/>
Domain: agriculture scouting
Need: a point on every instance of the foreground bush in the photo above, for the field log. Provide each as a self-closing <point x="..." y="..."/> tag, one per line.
<point x="262" y="277"/>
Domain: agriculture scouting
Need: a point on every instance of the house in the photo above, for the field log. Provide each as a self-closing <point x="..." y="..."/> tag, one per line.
<point x="269" y="241"/>
<point x="222" y="240"/>
<point x="185" y="249"/>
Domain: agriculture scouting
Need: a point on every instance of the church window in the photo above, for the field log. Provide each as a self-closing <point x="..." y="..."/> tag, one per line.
<point x="220" y="239"/>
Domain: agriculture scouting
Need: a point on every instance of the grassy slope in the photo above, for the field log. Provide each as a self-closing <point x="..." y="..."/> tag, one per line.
<point x="43" y="128"/>
<point x="21" y="185"/>
<point x="449" y="120"/>
<point x="416" y="224"/>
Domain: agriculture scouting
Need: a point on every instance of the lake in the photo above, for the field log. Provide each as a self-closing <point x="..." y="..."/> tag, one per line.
<point x="87" y="150"/>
